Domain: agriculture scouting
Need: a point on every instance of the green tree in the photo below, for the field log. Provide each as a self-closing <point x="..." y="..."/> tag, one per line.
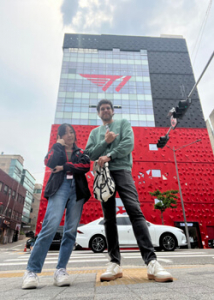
<point x="167" y="200"/>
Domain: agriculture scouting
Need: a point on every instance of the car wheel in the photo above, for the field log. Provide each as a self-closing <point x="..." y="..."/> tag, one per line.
<point x="168" y="242"/>
<point x="97" y="243"/>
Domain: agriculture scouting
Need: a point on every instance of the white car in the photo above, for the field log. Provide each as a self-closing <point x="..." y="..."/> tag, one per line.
<point x="92" y="235"/>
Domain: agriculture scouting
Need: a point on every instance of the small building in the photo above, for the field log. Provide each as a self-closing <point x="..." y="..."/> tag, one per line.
<point x="35" y="206"/>
<point x="12" y="198"/>
<point x="28" y="182"/>
<point x="13" y="166"/>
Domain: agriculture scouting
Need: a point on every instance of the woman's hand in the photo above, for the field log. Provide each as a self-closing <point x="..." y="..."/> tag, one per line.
<point x="61" y="141"/>
<point x="57" y="168"/>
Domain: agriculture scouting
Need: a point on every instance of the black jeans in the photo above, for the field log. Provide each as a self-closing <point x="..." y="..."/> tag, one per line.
<point x="128" y="194"/>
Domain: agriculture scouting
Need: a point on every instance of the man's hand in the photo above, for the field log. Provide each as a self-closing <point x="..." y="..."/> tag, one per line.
<point x="110" y="136"/>
<point x="102" y="160"/>
<point x="57" y="168"/>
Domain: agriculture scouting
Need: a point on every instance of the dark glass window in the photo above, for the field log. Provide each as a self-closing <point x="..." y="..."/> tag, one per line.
<point x="8" y="214"/>
<point x="1" y="209"/>
<point x="121" y="221"/>
<point x="5" y="189"/>
<point x="72" y="71"/>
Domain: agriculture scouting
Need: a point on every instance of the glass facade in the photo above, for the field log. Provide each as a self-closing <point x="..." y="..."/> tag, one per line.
<point x="15" y="170"/>
<point x="89" y="75"/>
<point x="28" y="182"/>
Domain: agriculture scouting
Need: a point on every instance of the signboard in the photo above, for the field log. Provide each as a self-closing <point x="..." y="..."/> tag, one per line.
<point x="18" y="226"/>
<point x="188" y="224"/>
<point x="173" y="122"/>
<point x="6" y="222"/>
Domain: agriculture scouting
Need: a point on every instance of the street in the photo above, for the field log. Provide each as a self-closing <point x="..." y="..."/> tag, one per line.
<point x="192" y="271"/>
<point x="15" y="259"/>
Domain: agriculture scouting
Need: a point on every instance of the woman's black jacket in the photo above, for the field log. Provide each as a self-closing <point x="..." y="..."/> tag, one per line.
<point x="78" y="166"/>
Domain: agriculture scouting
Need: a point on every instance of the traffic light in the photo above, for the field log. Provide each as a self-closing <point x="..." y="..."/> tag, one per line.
<point x="181" y="108"/>
<point x="162" y="141"/>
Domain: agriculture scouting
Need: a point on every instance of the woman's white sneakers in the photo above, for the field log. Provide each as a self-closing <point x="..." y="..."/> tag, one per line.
<point x="157" y="272"/>
<point x="61" y="278"/>
<point x="30" y="280"/>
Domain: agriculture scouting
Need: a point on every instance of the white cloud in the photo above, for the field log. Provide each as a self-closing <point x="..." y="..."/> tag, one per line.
<point x="90" y="15"/>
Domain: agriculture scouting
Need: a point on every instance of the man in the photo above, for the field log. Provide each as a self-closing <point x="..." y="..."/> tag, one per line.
<point x="113" y="142"/>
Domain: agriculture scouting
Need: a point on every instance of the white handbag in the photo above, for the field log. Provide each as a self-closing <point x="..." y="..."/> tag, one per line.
<point x="104" y="185"/>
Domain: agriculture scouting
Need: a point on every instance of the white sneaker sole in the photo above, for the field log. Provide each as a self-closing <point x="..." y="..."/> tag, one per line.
<point x="109" y="278"/>
<point x="30" y="285"/>
<point x="166" y="279"/>
<point x="64" y="283"/>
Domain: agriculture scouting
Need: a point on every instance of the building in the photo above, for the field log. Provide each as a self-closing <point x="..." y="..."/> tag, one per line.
<point x="13" y="166"/>
<point x="28" y="182"/>
<point x="12" y="197"/>
<point x="144" y="77"/>
<point x="35" y="206"/>
<point x="210" y="128"/>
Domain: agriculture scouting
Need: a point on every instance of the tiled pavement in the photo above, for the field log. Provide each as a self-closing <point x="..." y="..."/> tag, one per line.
<point x="190" y="282"/>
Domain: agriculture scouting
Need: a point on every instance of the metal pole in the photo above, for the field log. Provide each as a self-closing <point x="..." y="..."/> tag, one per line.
<point x="190" y="94"/>
<point x="170" y="128"/>
<point x="182" y="202"/>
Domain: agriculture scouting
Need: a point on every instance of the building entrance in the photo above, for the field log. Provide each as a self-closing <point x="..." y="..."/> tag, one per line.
<point x="194" y="233"/>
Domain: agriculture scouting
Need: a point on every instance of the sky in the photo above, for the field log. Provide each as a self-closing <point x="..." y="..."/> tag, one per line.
<point x="31" y="41"/>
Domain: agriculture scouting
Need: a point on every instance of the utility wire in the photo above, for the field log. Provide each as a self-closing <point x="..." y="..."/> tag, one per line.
<point x="201" y="31"/>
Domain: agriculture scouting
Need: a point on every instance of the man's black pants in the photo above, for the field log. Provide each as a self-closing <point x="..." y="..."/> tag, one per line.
<point x="128" y="194"/>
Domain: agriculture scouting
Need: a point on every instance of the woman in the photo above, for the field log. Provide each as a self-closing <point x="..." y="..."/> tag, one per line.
<point x="66" y="188"/>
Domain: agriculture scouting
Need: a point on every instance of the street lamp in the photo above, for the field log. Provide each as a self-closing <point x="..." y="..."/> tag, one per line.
<point x="180" y="191"/>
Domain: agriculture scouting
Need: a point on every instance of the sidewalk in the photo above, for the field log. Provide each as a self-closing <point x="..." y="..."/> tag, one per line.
<point x="190" y="282"/>
<point x="19" y="244"/>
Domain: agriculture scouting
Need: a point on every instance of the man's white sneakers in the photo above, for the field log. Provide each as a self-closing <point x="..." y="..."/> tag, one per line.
<point x="61" y="277"/>
<point x="157" y="272"/>
<point x="30" y="280"/>
<point x="113" y="272"/>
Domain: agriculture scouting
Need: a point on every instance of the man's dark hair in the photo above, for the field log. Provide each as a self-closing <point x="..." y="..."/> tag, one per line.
<point x="104" y="101"/>
<point x="62" y="129"/>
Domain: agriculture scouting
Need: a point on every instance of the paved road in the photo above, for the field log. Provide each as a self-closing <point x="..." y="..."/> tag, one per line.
<point x="13" y="258"/>
<point x="192" y="271"/>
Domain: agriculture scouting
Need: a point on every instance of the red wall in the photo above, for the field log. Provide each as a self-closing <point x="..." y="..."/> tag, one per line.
<point x="196" y="171"/>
